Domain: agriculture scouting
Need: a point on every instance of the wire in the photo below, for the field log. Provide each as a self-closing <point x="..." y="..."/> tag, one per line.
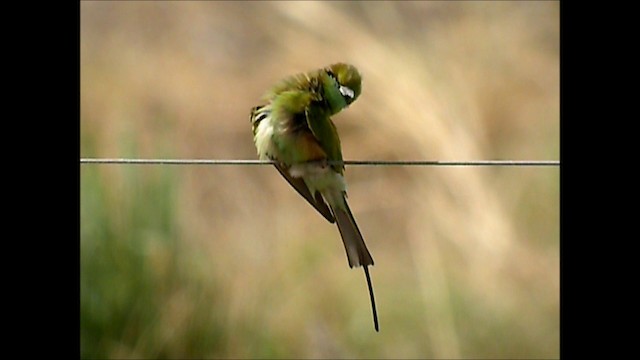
<point x="345" y="162"/>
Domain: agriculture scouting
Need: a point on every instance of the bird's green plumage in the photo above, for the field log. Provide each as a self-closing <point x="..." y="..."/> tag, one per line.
<point x="313" y="97"/>
<point x="325" y="131"/>
<point x="295" y="129"/>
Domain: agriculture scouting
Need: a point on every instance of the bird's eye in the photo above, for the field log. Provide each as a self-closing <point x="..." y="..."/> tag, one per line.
<point x="332" y="75"/>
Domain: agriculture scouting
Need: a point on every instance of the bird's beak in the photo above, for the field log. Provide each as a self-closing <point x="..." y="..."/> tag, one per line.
<point x="345" y="91"/>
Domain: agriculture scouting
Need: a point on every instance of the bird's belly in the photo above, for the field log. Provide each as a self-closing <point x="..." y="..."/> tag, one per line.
<point x="319" y="177"/>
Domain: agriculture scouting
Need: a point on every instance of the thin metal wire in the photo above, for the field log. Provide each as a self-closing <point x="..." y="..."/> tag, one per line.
<point x="345" y="162"/>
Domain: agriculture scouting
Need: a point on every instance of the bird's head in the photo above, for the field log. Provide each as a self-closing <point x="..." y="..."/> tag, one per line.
<point x="342" y="85"/>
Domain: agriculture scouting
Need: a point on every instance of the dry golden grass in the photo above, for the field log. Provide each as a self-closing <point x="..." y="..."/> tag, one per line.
<point x="467" y="259"/>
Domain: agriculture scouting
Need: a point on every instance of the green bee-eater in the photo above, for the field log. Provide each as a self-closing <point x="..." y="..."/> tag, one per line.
<point x="294" y="129"/>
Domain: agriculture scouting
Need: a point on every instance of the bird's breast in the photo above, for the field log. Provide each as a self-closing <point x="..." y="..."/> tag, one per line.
<point x="263" y="139"/>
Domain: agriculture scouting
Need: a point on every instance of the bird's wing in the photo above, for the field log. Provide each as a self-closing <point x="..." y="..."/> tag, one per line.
<point x="291" y="107"/>
<point x="326" y="133"/>
<point x="316" y="201"/>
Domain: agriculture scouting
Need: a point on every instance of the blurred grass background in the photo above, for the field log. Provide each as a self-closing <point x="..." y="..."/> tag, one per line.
<point x="230" y="262"/>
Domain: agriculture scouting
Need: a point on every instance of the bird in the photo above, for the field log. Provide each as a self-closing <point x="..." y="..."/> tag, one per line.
<point x="293" y="129"/>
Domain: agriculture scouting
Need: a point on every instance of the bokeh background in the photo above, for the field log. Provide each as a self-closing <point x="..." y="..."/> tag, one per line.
<point x="230" y="262"/>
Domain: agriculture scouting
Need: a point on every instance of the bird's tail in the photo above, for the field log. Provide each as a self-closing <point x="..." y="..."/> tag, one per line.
<point x="357" y="252"/>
